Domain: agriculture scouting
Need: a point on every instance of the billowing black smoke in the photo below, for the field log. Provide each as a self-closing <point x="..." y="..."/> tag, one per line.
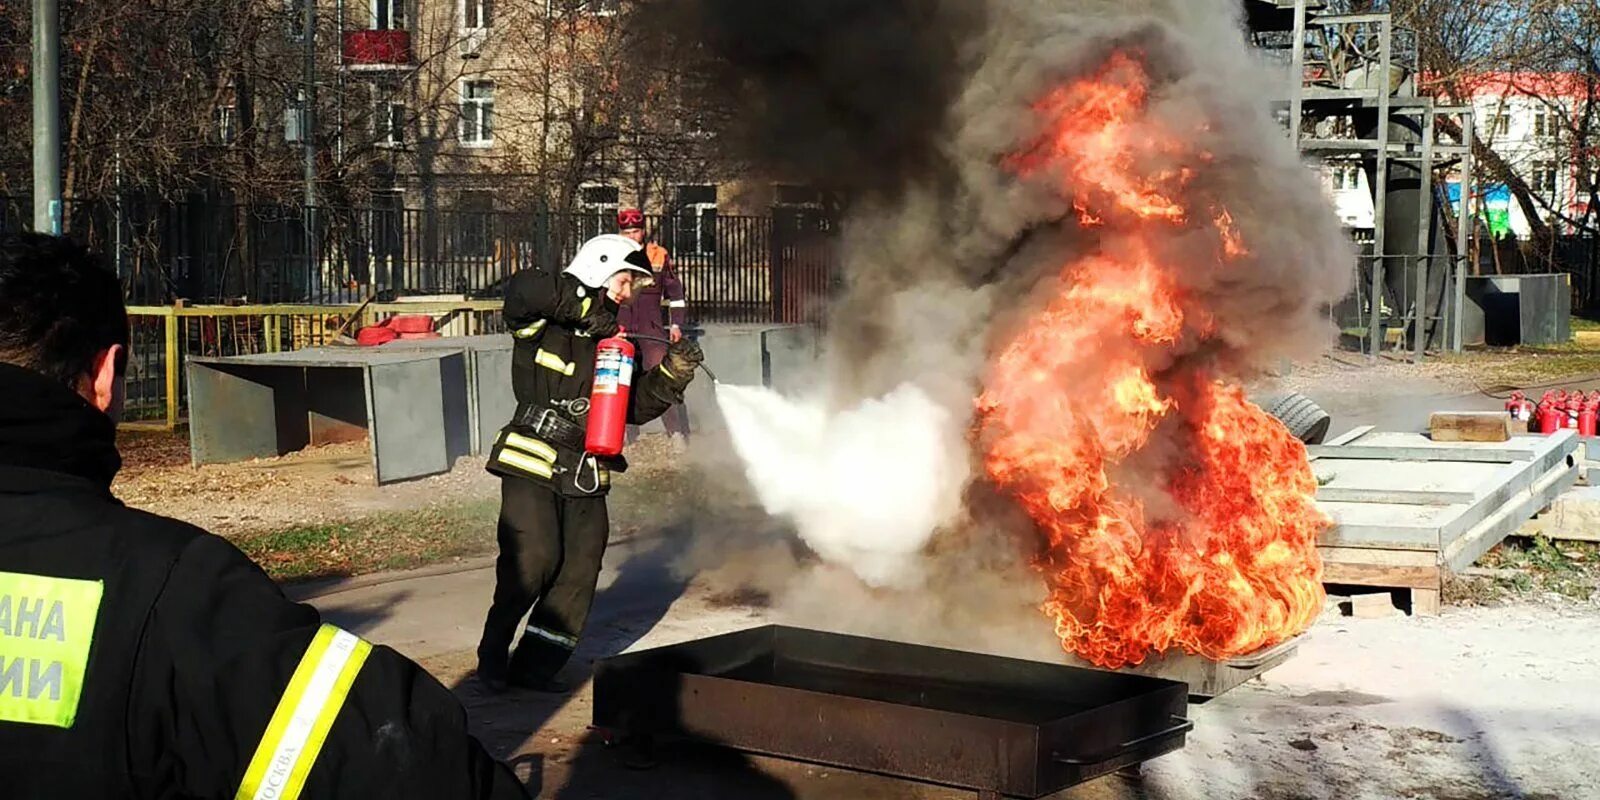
<point x="849" y="95"/>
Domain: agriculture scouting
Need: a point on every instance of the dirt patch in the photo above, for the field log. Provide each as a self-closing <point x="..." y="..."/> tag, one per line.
<point x="392" y="540"/>
<point x="320" y="513"/>
<point x="1536" y="570"/>
<point x="314" y="486"/>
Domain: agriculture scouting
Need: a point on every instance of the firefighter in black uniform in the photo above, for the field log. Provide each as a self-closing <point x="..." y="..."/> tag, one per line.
<point x="553" y="523"/>
<point x="141" y="657"/>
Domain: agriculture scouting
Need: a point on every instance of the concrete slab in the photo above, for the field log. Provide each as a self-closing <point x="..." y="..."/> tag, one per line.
<point x="1574" y="516"/>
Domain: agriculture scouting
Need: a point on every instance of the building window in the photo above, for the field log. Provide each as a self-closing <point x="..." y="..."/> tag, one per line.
<point x="475" y="224"/>
<point x="1346" y="177"/>
<point x="791" y="196"/>
<point x="227" y="120"/>
<point x="1544" y="178"/>
<point x="1546" y="125"/>
<point x="388" y="15"/>
<point x="696" y="221"/>
<point x="477" y="113"/>
<point x="390" y="123"/>
<point x="388" y="235"/>
<point x="477" y="14"/>
<point x="598" y="206"/>
<point x="1500" y="125"/>
<point x="294" y="117"/>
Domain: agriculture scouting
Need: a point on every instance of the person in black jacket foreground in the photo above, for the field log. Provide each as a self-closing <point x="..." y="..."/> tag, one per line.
<point x="553" y="521"/>
<point x="141" y="657"/>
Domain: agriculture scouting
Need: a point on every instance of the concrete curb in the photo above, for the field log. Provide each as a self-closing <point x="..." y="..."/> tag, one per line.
<point x="315" y="589"/>
<point x="311" y="590"/>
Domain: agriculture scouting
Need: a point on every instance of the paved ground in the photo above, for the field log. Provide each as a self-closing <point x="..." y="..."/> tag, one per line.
<point x="1478" y="703"/>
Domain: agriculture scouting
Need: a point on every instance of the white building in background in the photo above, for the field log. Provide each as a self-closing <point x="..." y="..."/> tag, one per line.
<point x="1346" y="186"/>
<point x="1526" y="118"/>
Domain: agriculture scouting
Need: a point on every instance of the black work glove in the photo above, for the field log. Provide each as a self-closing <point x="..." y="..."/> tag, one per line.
<point x="683" y="357"/>
<point x="601" y="322"/>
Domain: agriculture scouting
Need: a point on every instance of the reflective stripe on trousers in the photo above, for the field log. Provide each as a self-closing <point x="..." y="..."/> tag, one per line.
<point x="560" y="639"/>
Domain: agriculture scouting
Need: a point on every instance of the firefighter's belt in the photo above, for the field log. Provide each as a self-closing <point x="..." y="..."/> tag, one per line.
<point x="550" y="425"/>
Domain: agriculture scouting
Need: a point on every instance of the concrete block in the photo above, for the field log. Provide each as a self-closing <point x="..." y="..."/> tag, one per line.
<point x="1574" y="516"/>
<point x="1372" y="605"/>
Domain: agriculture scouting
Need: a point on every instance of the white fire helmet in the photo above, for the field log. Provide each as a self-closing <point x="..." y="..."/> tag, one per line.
<point x="606" y="255"/>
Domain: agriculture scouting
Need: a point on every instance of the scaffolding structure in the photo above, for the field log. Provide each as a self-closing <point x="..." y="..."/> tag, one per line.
<point x="1356" y="101"/>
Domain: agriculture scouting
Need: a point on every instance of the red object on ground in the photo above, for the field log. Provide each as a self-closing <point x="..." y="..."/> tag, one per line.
<point x="410" y="323"/>
<point x="608" y="402"/>
<point x="1574" y="407"/>
<point x="1586" y="418"/>
<point x="374" y="335"/>
<point x="1520" y="410"/>
<point x="1549" y="417"/>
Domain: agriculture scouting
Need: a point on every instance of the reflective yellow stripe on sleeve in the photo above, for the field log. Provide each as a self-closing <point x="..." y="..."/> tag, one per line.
<point x="304" y="716"/>
<point x="549" y="360"/>
<point x="530" y="331"/>
<point x="528" y="464"/>
<point x="583" y="311"/>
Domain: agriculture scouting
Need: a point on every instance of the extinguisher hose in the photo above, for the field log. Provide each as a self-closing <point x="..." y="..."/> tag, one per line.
<point x="669" y="343"/>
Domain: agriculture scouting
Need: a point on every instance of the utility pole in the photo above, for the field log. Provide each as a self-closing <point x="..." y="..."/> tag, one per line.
<point x="308" y="138"/>
<point x="46" y="117"/>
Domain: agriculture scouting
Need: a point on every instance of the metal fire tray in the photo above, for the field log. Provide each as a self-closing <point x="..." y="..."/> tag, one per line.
<point x="1206" y="678"/>
<point x="1000" y="726"/>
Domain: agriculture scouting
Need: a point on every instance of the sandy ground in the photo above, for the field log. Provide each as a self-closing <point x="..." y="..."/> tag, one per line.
<point x="318" y="485"/>
<point x="315" y="485"/>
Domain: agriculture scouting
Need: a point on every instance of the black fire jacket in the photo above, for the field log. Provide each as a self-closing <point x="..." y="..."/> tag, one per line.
<point x="553" y="364"/>
<point x="141" y="657"/>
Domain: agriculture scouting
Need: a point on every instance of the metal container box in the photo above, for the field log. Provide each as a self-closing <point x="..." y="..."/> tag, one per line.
<point x="1000" y="726"/>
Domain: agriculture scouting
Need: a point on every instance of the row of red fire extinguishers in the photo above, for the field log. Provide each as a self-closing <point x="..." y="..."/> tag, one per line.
<point x="1557" y="410"/>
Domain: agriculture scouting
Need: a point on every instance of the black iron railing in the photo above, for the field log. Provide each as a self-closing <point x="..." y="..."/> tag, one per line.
<point x="736" y="268"/>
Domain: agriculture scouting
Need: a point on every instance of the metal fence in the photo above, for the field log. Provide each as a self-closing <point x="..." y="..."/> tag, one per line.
<point x="735" y="268"/>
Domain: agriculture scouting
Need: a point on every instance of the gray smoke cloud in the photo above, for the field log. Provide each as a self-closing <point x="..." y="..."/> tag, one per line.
<point x="913" y="108"/>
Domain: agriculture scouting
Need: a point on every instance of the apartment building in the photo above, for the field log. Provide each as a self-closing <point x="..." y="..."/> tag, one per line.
<point x="479" y="106"/>
<point x="1528" y="119"/>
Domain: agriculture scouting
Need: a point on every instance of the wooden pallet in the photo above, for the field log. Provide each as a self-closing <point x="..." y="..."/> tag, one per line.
<point x="1413" y="574"/>
<point x="1409" y="511"/>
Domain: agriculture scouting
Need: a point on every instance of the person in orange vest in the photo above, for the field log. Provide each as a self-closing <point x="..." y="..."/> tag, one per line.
<point x="661" y="291"/>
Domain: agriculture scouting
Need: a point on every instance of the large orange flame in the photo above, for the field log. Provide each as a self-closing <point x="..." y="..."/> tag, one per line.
<point x="1173" y="512"/>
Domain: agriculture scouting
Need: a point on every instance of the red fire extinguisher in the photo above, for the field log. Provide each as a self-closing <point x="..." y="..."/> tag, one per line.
<point x="1574" y="408"/>
<point x="1587" y="417"/>
<point x="1520" y="410"/>
<point x="1550" y="416"/>
<point x="608" y="402"/>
